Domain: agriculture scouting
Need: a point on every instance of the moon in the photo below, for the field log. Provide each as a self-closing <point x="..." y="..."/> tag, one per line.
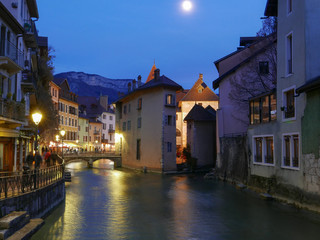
<point x="187" y="5"/>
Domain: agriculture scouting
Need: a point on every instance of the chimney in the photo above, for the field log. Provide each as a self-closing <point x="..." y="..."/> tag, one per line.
<point x="129" y="87"/>
<point x="139" y="80"/>
<point x="156" y="74"/>
<point x="201" y="76"/>
<point x="134" y="84"/>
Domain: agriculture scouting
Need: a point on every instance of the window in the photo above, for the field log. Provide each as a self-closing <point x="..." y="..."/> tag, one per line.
<point x="66" y="121"/>
<point x="104" y="126"/>
<point x="87" y="129"/>
<point x="264" y="67"/>
<point x="289" y="6"/>
<point x="124" y="126"/>
<point x="169" y="147"/>
<point x="170" y="100"/>
<point x="129" y="125"/>
<point x="139" y="103"/>
<point x="263" y="150"/>
<point x="110" y="126"/>
<point x="110" y="117"/>
<point x="66" y="108"/>
<point x="69" y="121"/>
<point x="263" y="109"/>
<point x="169" y="120"/>
<point x="129" y="108"/>
<point x="110" y="137"/>
<point x="104" y="116"/>
<point x="84" y="138"/>
<point x="62" y="120"/>
<point x="125" y="110"/>
<point x="79" y="128"/>
<point x="72" y="122"/>
<point x="290" y="150"/>
<point x="139" y="123"/>
<point x="289" y="54"/>
<point x="75" y="123"/>
<point x="289" y="104"/>
<point x="90" y="138"/>
<point x="103" y="136"/>
<point x="138" y="149"/>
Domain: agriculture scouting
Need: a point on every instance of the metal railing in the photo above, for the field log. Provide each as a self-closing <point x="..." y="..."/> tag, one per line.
<point x="28" y="181"/>
<point x="11" y="51"/>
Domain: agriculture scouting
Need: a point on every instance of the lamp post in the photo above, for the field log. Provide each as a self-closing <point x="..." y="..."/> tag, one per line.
<point x="36" y="117"/>
<point x="62" y="133"/>
<point x="57" y="140"/>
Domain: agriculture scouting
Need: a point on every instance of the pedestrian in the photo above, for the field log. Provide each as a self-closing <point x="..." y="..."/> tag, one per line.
<point x="47" y="158"/>
<point x="30" y="159"/>
<point x="38" y="160"/>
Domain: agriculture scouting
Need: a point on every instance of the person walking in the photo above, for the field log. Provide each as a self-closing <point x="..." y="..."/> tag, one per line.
<point x="30" y="160"/>
<point x="38" y="160"/>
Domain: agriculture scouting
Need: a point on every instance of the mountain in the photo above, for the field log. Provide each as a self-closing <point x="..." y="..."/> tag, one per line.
<point x="84" y="84"/>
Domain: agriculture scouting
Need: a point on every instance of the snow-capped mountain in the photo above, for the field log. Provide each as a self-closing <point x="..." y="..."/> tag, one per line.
<point x="84" y="84"/>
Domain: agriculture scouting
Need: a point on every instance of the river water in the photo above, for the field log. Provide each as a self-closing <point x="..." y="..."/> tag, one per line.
<point x="102" y="203"/>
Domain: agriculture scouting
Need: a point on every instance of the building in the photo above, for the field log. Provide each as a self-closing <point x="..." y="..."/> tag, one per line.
<point x="99" y="112"/>
<point x="286" y="151"/>
<point x="83" y="132"/>
<point x="68" y="112"/>
<point x="18" y="67"/>
<point x="199" y="94"/>
<point x="145" y="125"/>
<point x="246" y="73"/>
<point x="201" y="135"/>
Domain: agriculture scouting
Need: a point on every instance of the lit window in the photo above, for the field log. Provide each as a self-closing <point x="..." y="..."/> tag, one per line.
<point x="263" y="109"/>
<point x="139" y="103"/>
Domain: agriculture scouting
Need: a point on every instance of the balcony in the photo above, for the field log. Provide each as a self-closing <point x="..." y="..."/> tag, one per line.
<point x="28" y="83"/>
<point x="12" y="113"/>
<point x="11" y="58"/>
<point x="30" y="34"/>
<point x="111" y="131"/>
<point x="96" y="132"/>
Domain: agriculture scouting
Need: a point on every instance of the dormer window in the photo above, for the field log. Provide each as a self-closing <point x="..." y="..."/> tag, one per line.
<point x="264" y="67"/>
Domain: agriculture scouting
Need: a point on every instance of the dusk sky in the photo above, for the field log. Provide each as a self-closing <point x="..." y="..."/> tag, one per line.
<point x="122" y="38"/>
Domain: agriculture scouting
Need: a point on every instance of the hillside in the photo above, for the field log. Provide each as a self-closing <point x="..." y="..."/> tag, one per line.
<point x="84" y="84"/>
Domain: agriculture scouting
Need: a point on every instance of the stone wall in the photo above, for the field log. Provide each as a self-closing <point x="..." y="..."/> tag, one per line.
<point x="233" y="158"/>
<point x="37" y="203"/>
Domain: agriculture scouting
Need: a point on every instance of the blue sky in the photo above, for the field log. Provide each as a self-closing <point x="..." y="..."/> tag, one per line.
<point x="122" y="38"/>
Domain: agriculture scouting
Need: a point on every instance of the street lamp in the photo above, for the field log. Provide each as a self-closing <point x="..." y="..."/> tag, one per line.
<point x="36" y="117"/>
<point x="62" y="133"/>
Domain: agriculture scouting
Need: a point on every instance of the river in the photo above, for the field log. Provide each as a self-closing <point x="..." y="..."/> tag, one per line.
<point x="102" y="203"/>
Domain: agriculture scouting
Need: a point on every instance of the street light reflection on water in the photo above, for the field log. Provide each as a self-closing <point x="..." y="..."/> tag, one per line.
<point x="102" y="203"/>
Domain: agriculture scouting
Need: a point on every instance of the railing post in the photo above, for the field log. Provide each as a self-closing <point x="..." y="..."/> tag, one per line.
<point x="5" y="188"/>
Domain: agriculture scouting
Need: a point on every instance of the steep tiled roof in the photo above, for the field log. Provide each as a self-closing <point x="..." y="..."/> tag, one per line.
<point x="198" y="113"/>
<point x="163" y="81"/>
<point x="151" y="74"/>
<point x="271" y="41"/>
<point x="93" y="107"/>
<point x="206" y="94"/>
<point x="59" y="81"/>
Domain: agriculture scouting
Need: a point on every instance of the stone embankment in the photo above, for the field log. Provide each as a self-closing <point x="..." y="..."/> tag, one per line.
<point x="18" y="225"/>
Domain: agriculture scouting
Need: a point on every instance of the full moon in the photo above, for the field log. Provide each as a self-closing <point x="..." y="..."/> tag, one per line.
<point x="186" y="5"/>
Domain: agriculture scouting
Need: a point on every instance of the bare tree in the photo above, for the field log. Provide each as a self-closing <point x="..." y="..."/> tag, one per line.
<point x="250" y="81"/>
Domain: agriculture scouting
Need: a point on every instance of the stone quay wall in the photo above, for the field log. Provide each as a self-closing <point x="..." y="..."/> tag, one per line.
<point x="37" y="203"/>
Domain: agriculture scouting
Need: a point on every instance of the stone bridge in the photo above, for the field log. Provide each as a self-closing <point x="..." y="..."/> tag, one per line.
<point x="91" y="157"/>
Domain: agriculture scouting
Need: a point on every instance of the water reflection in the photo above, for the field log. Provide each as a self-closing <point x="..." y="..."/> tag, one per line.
<point x="119" y="204"/>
